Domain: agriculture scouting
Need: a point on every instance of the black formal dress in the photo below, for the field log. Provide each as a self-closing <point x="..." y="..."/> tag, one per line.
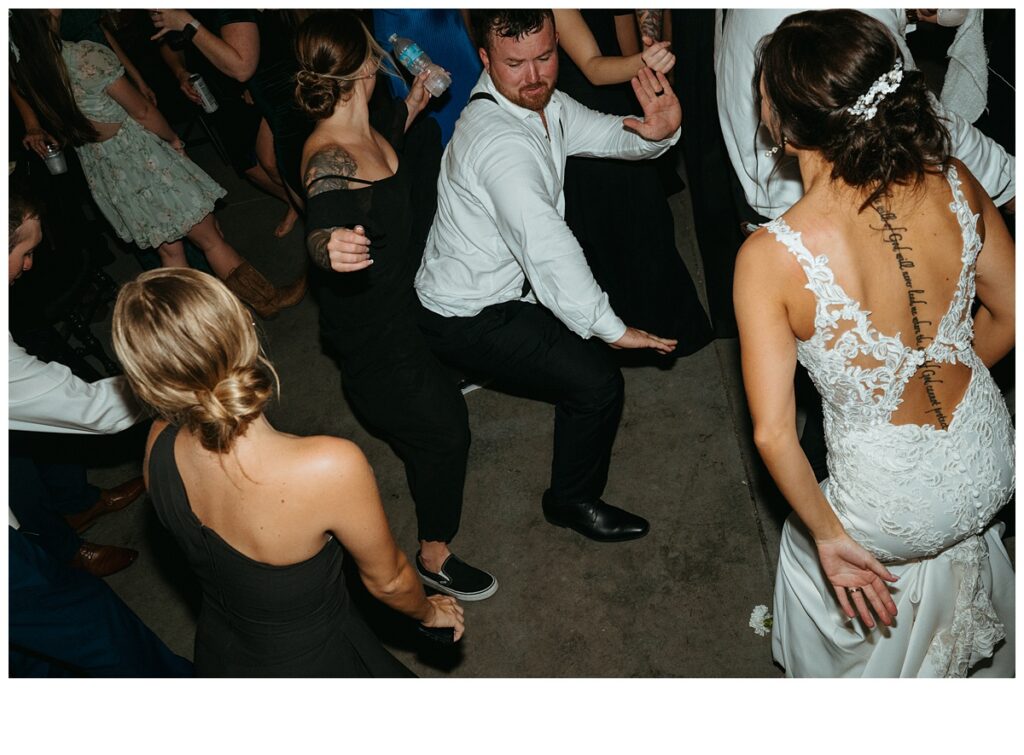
<point x="368" y="322"/>
<point x="618" y="212"/>
<point x="263" y="620"/>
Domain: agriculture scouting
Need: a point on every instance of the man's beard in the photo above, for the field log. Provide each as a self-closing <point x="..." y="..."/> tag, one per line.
<point x="533" y="99"/>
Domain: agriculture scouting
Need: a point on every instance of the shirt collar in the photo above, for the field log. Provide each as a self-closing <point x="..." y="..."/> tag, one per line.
<point x="486" y="84"/>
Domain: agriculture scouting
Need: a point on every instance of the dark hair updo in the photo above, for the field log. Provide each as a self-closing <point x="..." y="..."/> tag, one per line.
<point x="331" y="47"/>
<point x="815" y="66"/>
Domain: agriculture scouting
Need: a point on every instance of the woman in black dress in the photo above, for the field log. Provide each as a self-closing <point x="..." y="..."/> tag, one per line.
<point x="617" y="209"/>
<point x="371" y="175"/>
<point x="261" y="515"/>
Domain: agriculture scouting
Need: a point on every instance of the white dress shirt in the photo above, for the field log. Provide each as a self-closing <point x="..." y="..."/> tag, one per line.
<point x="47" y="397"/>
<point x="501" y="209"/>
<point x="772" y="185"/>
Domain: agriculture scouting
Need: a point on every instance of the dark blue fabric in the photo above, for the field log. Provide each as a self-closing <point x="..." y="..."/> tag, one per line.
<point x="64" y="622"/>
<point x="40" y="493"/>
<point x="442" y="35"/>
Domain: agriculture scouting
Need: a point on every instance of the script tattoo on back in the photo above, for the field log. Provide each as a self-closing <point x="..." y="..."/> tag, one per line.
<point x="893" y="235"/>
<point x="650" y="22"/>
<point x="326" y="171"/>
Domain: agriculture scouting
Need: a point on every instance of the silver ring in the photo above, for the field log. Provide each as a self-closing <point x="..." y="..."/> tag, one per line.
<point x="853" y="589"/>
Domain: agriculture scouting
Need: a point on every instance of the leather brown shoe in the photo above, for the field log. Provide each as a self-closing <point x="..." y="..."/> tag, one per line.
<point x="598" y="520"/>
<point x="114" y="499"/>
<point x="103" y="560"/>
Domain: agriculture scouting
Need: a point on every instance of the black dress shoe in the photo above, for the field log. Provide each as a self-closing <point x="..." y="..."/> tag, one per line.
<point x="598" y="520"/>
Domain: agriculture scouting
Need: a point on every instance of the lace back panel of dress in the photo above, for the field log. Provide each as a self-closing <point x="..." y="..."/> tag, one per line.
<point x="867" y="377"/>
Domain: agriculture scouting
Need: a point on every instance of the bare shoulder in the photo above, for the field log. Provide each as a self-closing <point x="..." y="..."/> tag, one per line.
<point x="766" y="270"/>
<point x="326" y="169"/>
<point x="325" y="459"/>
<point x="760" y="254"/>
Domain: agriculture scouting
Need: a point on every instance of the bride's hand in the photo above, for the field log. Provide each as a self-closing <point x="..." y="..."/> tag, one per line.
<point x="856" y="574"/>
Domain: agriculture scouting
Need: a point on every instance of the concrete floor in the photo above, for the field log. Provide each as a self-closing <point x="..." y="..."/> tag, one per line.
<point x="675" y="603"/>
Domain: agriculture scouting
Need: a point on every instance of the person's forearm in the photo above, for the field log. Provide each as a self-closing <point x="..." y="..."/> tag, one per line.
<point x="223" y="55"/>
<point x="175" y="60"/>
<point x="593" y="134"/>
<point x="404" y="593"/>
<point x="153" y="120"/>
<point x="793" y="475"/>
<point x="612" y="69"/>
<point x="316" y="245"/>
<point x="993" y="338"/>
<point x="650" y="22"/>
<point x="990" y="163"/>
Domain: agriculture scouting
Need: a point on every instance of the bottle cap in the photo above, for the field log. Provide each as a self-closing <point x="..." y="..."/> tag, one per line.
<point x="393" y="37"/>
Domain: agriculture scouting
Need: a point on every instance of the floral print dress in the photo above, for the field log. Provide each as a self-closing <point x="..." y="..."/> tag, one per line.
<point x="148" y="192"/>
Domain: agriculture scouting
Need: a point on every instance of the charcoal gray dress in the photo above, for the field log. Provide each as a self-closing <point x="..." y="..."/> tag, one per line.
<point x="263" y="620"/>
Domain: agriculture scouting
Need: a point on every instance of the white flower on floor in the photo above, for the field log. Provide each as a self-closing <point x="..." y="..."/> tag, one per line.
<point x="761" y="621"/>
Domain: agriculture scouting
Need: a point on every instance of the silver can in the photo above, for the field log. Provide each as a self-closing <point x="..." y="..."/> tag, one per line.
<point x="55" y="162"/>
<point x="209" y="101"/>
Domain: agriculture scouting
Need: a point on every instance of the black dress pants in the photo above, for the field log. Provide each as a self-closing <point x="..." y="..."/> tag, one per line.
<point x="403" y="394"/>
<point x="528" y="351"/>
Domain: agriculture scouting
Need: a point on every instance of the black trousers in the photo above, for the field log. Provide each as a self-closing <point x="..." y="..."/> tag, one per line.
<point x="528" y="351"/>
<point x="404" y="395"/>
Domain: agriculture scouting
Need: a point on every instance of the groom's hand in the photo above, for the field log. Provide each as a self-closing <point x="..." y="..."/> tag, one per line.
<point x="662" y="112"/>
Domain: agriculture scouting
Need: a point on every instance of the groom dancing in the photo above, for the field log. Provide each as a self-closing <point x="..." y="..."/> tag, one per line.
<point x="506" y="288"/>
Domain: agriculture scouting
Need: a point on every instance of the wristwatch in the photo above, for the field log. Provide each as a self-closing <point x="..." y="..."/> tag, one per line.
<point x="190" y="29"/>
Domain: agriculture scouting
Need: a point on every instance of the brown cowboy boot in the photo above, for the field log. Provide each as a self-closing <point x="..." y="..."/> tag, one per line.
<point x="249" y="285"/>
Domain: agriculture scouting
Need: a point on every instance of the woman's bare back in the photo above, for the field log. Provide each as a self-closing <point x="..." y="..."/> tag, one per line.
<point x="900" y="260"/>
<point x="267" y="497"/>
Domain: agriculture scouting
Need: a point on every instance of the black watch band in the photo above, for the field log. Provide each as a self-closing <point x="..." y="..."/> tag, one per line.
<point x="190" y="30"/>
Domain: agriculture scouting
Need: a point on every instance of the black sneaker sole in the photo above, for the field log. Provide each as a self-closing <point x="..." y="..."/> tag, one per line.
<point x="466" y="596"/>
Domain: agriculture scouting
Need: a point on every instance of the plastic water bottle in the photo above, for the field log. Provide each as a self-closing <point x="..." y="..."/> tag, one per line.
<point x="416" y="61"/>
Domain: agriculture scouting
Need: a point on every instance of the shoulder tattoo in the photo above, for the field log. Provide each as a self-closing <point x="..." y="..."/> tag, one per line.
<point x="331" y="162"/>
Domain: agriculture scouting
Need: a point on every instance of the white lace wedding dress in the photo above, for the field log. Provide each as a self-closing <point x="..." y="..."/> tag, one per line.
<point x="920" y="498"/>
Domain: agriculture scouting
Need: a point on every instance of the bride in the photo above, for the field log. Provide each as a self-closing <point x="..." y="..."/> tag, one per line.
<point x="894" y="566"/>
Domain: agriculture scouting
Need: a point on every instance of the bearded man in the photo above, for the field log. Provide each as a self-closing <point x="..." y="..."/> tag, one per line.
<point x="505" y="286"/>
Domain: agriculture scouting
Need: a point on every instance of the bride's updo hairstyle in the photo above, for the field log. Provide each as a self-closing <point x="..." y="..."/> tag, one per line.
<point x="816" y="66"/>
<point x="189" y="350"/>
<point x="331" y="48"/>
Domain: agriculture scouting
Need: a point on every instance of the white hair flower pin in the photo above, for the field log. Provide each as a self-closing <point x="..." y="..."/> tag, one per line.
<point x="867" y="104"/>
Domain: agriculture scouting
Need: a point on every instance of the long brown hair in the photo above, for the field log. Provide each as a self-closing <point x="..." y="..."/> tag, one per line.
<point x="331" y="47"/>
<point x="42" y="78"/>
<point x="815" y="66"/>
